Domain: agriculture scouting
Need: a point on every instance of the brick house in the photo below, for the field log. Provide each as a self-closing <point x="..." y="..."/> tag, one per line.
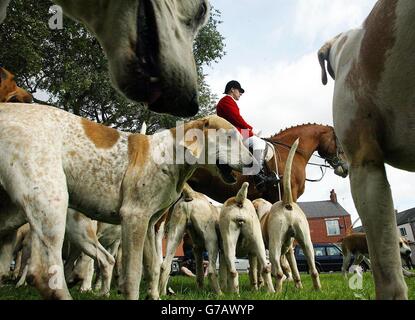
<point x="406" y="224"/>
<point x="328" y="220"/>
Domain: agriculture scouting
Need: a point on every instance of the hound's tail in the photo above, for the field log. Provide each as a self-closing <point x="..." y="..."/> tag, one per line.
<point x="287" y="198"/>
<point x="242" y="194"/>
<point x="323" y="56"/>
<point x="349" y="230"/>
<point x="143" y="128"/>
<point x="188" y="193"/>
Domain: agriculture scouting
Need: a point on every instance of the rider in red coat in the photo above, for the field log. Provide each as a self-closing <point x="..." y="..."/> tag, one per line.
<point x="228" y="109"/>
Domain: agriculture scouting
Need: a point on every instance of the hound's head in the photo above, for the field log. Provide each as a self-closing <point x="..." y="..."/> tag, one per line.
<point x="262" y="207"/>
<point x="9" y="91"/>
<point x="404" y="248"/>
<point x="149" y="46"/>
<point x="214" y="143"/>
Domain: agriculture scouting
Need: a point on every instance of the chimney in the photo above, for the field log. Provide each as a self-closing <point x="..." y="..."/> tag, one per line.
<point x="333" y="196"/>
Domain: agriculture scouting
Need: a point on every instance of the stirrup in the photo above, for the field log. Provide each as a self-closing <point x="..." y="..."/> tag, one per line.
<point x="262" y="180"/>
<point x="274" y="179"/>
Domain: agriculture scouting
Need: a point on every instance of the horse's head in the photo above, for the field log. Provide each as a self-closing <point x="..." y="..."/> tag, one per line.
<point x="331" y="150"/>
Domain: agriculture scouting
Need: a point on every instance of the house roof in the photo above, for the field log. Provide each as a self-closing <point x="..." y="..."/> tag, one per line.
<point x="404" y="217"/>
<point x="358" y="229"/>
<point x="323" y="209"/>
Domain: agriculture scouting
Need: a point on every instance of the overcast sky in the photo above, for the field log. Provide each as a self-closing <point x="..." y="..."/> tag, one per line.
<point x="271" y="49"/>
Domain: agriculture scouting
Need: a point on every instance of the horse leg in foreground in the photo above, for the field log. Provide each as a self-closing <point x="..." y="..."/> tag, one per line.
<point x="374" y="108"/>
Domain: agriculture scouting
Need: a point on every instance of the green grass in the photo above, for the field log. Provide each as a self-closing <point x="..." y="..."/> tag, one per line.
<point x="334" y="287"/>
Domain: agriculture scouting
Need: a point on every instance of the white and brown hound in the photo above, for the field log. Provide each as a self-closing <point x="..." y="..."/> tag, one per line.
<point x="241" y="236"/>
<point x="374" y="112"/>
<point x="149" y="46"/>
<point x="195" y="215"/>
<point x="356" y="244"/>
<point x="281" y="225"/>
<point x="84" y="237"/>
<point x="9" y="91"/>
<point x="52" y="159"/>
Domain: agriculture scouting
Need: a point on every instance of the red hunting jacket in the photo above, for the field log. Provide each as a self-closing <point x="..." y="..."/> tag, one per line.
<point x="229" y="110"/>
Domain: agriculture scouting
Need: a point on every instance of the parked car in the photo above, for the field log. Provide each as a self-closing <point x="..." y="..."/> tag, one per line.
<point x="328" y="258"/>
<point x="175" y="266"/>
<point x="242" y="265"/>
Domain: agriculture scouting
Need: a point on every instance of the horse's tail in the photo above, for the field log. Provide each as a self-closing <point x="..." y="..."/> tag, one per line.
<point x="143" y="128"/>
<point x="287" y="199"/>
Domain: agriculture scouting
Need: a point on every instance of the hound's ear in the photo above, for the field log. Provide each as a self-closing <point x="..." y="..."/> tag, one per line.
<point x="3" y="74"/>
<point x="323" y="57"/>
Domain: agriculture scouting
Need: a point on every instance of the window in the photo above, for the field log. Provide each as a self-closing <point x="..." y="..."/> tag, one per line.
<point x="403" y="232"/>
<point x="333" y="228"/>
<point x="319" y="251"/>
<point x="333" y="251"/>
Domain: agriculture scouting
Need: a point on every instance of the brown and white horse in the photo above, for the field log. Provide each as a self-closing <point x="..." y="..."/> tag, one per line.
<point x="313" y="138"/>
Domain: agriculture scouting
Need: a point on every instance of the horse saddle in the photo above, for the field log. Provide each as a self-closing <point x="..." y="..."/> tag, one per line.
<point x="268" y="178"/>
<point x="269" y="151"/>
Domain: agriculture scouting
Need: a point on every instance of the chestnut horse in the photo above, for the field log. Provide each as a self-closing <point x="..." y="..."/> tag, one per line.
<point x="313" y="138"/>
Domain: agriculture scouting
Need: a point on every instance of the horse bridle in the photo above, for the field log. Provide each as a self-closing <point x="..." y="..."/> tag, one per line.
<point x="333" y="161"/>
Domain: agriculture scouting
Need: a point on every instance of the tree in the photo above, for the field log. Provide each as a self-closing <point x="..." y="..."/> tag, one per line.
<point x="69" y="66"/>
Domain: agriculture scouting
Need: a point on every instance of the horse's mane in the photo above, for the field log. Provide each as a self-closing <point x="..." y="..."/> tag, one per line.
<point x="297" y="127"/>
